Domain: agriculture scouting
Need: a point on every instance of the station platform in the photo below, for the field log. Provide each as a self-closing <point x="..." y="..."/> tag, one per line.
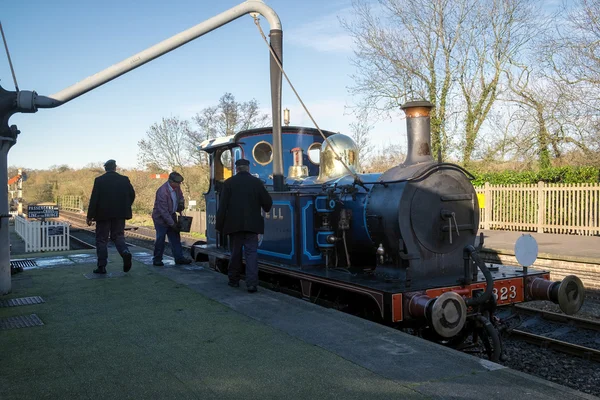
<point x="575" y="248"/>
<point x="180" y="332"/>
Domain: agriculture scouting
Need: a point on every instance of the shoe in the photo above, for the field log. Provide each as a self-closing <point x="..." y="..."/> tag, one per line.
<point x="100" y="270"/>
<point x="126" y="262"/>
<point x="158" y="263"/>
<point x="234" y="284"/>
<point x="183" y="261"/>
<point x="252" y="289"/>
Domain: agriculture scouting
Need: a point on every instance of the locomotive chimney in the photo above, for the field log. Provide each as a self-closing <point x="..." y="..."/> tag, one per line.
<point x="418" y="132"/>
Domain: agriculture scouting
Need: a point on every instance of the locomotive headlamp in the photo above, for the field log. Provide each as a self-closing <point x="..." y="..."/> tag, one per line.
<point x="286" y="117"/>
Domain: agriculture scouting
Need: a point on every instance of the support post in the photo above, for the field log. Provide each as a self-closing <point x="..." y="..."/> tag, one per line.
<point x="541" y="207"/>
<point x="277" y="46"/>
<point x="8" y="137"/>
<point x="5" y="279"/>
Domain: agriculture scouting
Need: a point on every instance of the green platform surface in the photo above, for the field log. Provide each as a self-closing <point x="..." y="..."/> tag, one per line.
<point x="144" y="336"/>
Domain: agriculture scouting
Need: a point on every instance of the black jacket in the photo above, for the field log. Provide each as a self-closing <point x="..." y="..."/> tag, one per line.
<point x="241" y="200"/>
<point x="112" y="197"/>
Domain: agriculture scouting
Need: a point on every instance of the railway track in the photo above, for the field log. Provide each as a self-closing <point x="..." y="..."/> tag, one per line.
<point x="78" y="221"/>
<point x="566" y="334"/>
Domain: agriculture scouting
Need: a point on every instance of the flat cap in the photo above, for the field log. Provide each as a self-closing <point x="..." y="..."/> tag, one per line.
<point x="110" y="164"/>
<point x="242" y="161"/>
<point x="175" y="177"/>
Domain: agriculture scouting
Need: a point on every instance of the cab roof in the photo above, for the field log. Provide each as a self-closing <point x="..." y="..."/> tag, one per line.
<point x="211" y="145"/>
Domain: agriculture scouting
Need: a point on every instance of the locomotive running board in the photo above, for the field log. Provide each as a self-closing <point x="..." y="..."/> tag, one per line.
<point x="332" y="278"/>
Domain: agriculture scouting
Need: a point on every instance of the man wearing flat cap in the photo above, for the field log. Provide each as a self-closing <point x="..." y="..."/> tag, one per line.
<point x="169" y="201"/>
<point x="110" y="205"/>
<point x="239" y="215"/>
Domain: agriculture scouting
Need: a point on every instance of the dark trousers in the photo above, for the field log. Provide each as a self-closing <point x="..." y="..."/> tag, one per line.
<point x="163" y="231"/>
<point x="113" y="229"/>
<point x="249" y="241"/>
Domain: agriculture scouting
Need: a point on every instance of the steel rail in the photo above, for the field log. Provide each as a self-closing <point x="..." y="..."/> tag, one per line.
<point x="558" y="345"/>
<point x="562" y="318"/>
<point x="81" y="241"/>
<point x="128" y="233"/>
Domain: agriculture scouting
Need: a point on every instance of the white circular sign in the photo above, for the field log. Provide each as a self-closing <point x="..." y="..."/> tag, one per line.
<point x="526" y="250"/>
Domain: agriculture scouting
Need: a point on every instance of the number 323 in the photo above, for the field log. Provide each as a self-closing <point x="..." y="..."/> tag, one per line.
<point x="506" y="292"/>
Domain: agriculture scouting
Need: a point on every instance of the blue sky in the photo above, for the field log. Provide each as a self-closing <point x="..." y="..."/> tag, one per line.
<point x="56" y="44"/>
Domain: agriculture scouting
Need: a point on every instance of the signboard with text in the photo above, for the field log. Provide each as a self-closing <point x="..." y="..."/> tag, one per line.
<point x="35" y="211"/>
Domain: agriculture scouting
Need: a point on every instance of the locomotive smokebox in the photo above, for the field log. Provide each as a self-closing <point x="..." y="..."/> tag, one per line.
<point x="418" y="132"/>
<point x="423" y="212"/>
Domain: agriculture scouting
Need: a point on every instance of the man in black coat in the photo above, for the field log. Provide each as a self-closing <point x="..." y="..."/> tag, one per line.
<point x="239" y="216"/>
<point x="110" y="205"/>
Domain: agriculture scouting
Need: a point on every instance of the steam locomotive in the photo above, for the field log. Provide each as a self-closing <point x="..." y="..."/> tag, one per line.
<point x="401" y="244"/>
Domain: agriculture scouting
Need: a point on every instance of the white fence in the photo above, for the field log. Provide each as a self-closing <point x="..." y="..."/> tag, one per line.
<point x="70" y="203"/>
<point x="544" y="208"/>
<point x="42" y="236"/>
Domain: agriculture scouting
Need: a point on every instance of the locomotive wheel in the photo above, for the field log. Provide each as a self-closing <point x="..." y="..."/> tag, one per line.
<point x="217" y="264"/>
<point x="198" y="256"/>
<point x="222" y="266"/>
<point x="212" y="262"/>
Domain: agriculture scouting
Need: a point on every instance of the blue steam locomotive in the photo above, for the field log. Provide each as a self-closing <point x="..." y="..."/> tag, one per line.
<point x="400" y="244"/>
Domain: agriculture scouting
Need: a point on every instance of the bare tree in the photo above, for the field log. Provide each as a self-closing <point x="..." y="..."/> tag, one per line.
<point x="532" y="115"/>
<point x="224" y="119"/>
<point x="575" y="55"/>
<point x="554" y="100"/>
<point x="450" y="52"/>
<point x="498" y="32"/>
<point x="165" y="145"/>
<point x="574" y="59"/>
<point x="385" y="158"/>
<point x="360" y="132"/>
<point x="406" y="55"/>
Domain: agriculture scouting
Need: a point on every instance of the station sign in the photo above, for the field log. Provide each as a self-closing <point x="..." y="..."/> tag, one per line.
<point x="35" y="211"/>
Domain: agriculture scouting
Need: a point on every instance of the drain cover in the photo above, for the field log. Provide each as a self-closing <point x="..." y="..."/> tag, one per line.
<point x="17" y="266"/>
<point x="22" y="321"/>
<point x="22" y="301"/>
<point x="22" y="263"/>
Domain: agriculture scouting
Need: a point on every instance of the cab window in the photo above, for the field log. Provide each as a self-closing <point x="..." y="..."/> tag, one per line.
<point x="223" y="165"/>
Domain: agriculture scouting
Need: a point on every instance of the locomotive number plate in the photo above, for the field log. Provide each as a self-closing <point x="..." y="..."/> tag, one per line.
<point x="509" y="291"/>
<point x="506" y="291"/>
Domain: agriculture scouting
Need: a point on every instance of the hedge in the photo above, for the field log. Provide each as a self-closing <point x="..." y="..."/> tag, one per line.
<point x="549" y="175"/>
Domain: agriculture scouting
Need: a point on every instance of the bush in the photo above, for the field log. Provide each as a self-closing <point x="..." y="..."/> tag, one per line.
<point x="567" y="174"/>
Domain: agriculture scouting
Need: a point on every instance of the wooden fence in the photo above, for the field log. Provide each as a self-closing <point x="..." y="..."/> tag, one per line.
<point x="544" y="208"/>
<point x="42" y="236"/>
<point x="198" y="221"/>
